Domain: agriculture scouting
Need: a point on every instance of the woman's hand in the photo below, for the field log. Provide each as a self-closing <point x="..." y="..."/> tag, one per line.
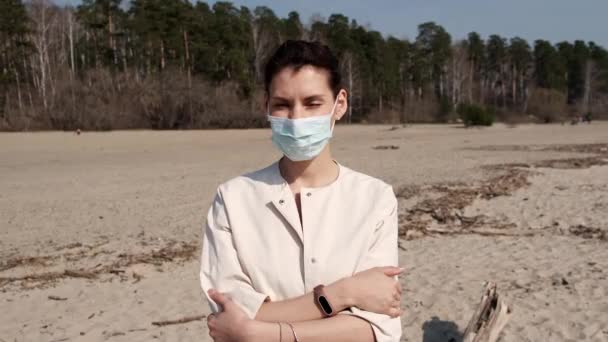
<point x="230" y="325"/>
<point x="375" y="290"/>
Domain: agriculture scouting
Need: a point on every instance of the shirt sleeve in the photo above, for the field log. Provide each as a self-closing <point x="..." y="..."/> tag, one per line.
<point x="220" y="265"/>
<point x="383" y="251"/>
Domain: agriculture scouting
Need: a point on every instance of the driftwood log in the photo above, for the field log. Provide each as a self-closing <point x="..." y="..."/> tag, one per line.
<point x="489" y="319"/>
<point x="179" y="321"/>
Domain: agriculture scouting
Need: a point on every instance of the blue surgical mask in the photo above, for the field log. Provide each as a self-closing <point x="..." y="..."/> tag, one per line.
<point x="302" y="139"/>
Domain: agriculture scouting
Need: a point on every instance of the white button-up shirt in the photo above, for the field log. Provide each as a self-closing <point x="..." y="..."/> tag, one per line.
<point x="255" y="248"/>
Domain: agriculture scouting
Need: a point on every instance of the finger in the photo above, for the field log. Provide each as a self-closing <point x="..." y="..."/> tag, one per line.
<point x="392" y="271"/>
<point x="219" y="298"/>
<point x="394" y="312"/>
<point x="398" y="286"/>
<point x="211" y="321"/>
<point x="396" y="296"/>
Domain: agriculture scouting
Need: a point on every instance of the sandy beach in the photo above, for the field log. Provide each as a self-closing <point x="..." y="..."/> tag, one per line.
<point x="100" y="232"/>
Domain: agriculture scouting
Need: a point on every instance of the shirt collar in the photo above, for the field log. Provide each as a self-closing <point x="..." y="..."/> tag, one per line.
<point x="282" y="184"/>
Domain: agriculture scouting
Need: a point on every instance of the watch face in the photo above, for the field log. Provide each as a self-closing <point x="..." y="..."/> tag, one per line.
<point x="325" y="305"/>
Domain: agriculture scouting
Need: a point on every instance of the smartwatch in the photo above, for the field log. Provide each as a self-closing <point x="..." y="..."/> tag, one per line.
<point x="322" y="301"/>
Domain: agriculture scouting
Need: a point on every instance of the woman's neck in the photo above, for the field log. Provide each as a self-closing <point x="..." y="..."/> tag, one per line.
<point x="317" y="172"/>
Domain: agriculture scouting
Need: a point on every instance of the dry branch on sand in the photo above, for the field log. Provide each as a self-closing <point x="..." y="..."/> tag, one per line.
<point x="386" y="147"/>
<point x="174" y="251"/>
<point x="489" y="319"/>
<point x="179" y="321"/>
<point x="598" y="149"/>
<point x="25" y="261"/>
<point x="443" y="205"/>
<point x="49" y="276"/>
<point x="448" y="207"/>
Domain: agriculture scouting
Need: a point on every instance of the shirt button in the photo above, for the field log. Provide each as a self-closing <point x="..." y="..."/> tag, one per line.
<point x="281" y="201"/>
<point x="313" y="260"/>
<point x="308" y="194"/>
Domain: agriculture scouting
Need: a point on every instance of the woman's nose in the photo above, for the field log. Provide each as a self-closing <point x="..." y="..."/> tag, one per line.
<point x="296" y="112"/>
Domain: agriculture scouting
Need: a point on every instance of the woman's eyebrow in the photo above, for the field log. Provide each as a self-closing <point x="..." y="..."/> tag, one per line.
<point x="313" y="98"/>
<point x="306" y="99"/>
<point x="280" y="99"/>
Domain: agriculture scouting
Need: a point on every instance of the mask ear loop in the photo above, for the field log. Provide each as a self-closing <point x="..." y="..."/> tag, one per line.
<point x="333" y="123"/>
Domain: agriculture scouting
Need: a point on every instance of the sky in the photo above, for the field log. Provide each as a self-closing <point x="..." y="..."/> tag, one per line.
<point x="554" y="20"/>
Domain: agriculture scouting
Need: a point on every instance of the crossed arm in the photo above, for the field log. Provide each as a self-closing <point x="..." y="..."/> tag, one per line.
<point x="365" y="308"/>
<point x="382" y="293"/>
<point x="231" y="325"/>
<point x="384" y="297"/>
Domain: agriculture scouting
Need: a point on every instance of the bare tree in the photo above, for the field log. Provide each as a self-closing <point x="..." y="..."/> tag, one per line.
<point x="352" y="79"/>
<point x="459" y="72"/>
<point x="265" y="38"/>
<point x="589" y="66"/>
<point x="44" y="20"/>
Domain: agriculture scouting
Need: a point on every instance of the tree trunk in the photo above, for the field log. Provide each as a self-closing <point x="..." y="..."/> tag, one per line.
<point x="187" y="51"/>
<point x="42" y="80"/>
<point x="123" y="56"/>
<point x="441" y="85"/>
<point x="19" y="100"/>
<point x="41" y="46"/>
<point x="72" y="65"/>
<point x="162" y="55"/>
<point x="112" y="41"/>
<point x="71" y="40"/>
<point x="350" y="89"/>
<point x="503" y="93"/>
<point x="587" y="91"/>
<point x="454" y="76"/>
<point x="29" y="88"/>
<point x="149" y="58"/>
<point x="5" y="110"/>
<point x="522" y="91"/>
<point x="189" y="74"/>
<point x="50" y="73"/>
<point x="471" y="81"/>
<point x="482" y="90"/>
<point x="526" y="93"/>
<point x="514" y="77"/>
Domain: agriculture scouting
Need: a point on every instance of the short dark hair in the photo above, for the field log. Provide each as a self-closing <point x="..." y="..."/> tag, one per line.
<point x="298" y="53"/>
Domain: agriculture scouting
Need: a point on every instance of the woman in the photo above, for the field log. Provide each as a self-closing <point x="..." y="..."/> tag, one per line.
<point x="306" y="248"/>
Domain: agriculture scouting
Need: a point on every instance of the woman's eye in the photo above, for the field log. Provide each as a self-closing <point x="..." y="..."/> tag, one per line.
<point x="314" y="104"/>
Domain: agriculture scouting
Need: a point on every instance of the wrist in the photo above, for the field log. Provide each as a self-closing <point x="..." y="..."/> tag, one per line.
<point x="340" y="294"/>
<point x="261" y="331"/>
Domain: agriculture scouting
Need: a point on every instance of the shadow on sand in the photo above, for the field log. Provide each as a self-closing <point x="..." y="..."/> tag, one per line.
<point x="437" y="330"/>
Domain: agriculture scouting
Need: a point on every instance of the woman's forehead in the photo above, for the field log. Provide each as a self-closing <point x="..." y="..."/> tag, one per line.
<point x="306" y="82"/>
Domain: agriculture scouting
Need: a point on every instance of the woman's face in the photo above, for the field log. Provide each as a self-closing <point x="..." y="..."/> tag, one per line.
<point x="303" y="93"/>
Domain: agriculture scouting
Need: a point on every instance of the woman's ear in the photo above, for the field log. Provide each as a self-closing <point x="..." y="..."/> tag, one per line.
<point x="342" y="105"/>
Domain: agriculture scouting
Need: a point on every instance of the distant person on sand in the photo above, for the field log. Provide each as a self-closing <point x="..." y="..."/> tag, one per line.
<point x="304" y="249"/>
